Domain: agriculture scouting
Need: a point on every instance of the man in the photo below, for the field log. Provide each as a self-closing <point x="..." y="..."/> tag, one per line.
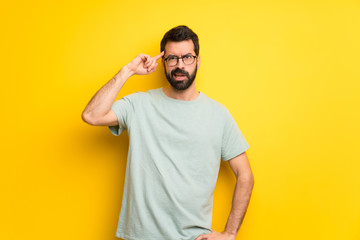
<point x="177" y="137"/>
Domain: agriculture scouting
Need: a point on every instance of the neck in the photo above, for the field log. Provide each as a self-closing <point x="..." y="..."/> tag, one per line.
<point x="185" y="95"/>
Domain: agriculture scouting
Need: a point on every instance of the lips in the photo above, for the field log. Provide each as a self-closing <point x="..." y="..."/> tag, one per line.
<point x="179" y="74"/>
<point x="179" y="77"/>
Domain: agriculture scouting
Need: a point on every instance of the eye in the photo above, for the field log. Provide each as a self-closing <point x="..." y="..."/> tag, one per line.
<point x="187" y="56"/>
<point x="171" y="58"/>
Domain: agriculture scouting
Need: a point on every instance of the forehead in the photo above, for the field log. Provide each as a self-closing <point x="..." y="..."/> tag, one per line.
<point x="179" y="48"/>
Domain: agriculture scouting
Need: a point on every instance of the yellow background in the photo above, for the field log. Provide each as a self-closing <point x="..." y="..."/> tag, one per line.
<point x="288" y="71"/>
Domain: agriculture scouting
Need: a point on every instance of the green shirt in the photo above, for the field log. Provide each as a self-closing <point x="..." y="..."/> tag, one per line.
<point x="173" y="162"/>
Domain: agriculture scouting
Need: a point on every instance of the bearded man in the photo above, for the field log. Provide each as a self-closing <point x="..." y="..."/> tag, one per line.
<point x="178" y="137"/>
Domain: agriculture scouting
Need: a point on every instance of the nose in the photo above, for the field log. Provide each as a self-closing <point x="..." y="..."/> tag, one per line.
<point x="181" y="64"/>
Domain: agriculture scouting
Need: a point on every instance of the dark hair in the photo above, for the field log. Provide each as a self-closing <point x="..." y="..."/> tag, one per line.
<point x="178" y="34"/>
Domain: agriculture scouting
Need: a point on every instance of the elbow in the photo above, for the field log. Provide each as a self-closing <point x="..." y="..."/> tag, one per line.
<point x="87" y="118"/>
<point x="246" y="179"/>
<point x="251" y="181"/>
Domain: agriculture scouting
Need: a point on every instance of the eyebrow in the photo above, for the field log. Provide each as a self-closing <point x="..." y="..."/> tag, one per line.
<point x="177" y="56"/>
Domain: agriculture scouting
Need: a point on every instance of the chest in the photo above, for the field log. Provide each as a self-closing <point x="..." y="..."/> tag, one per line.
<point x="182" y="126"/>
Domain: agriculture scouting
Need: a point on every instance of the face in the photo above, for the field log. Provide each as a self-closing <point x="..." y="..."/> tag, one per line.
<point x="181" y="76"/>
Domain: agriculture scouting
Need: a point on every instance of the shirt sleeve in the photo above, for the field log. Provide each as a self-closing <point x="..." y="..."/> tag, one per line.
<point x="124" y="111"/>
<point x="233" y="142"/>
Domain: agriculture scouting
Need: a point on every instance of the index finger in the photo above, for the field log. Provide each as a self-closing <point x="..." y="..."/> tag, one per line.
<point x="157" y="57"/>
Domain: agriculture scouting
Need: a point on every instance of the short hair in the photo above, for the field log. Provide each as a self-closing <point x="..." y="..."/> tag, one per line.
<point x="178" y="34"/>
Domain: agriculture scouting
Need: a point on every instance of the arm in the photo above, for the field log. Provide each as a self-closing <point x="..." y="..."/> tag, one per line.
<point x="244" y="185"/>
<point x="98" y="111"/>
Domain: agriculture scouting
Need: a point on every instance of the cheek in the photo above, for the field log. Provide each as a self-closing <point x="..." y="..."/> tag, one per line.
<point x="168" y="70"/>
<point x="194" y="68"/>
<point x="171" y="68"/>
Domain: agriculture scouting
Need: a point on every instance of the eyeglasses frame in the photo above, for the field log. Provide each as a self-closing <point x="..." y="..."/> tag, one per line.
<point x="177" y="58"/>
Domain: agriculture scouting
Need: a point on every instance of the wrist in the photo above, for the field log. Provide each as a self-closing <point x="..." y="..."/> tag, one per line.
<point x="230" y="234"/>
<point x="124" y="73"/>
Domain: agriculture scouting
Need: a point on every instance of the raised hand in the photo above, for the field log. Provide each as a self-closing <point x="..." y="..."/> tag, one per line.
<point x="144" y="64"/>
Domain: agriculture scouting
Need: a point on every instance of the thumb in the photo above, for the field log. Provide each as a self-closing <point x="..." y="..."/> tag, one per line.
<point x="204" y="236"/>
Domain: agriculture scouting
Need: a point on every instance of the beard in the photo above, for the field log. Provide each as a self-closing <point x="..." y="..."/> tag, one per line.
<point x="180" y="85"/>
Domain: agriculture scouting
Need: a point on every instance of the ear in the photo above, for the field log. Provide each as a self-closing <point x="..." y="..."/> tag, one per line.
<point x="198" y="62"/>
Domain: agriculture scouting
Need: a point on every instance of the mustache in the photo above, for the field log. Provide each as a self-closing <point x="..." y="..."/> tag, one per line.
<point x="178" y="70"/>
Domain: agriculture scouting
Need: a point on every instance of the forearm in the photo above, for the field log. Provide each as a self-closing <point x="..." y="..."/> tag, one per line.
<point x="102" y="101"/>
<point x="240" y="203"/>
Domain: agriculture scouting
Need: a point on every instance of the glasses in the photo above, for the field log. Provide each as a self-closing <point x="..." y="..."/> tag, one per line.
<point x="172" y="61"/>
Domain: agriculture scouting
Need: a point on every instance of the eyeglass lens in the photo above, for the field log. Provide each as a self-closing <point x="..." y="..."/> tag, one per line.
<point x="173" y="61"/>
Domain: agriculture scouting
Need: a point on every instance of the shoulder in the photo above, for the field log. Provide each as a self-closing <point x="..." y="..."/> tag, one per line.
<point x="220" y="112"/>
<point x="135" y="95"/>
<point x="139" y="96"/>
<point x="216" y="105"/>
